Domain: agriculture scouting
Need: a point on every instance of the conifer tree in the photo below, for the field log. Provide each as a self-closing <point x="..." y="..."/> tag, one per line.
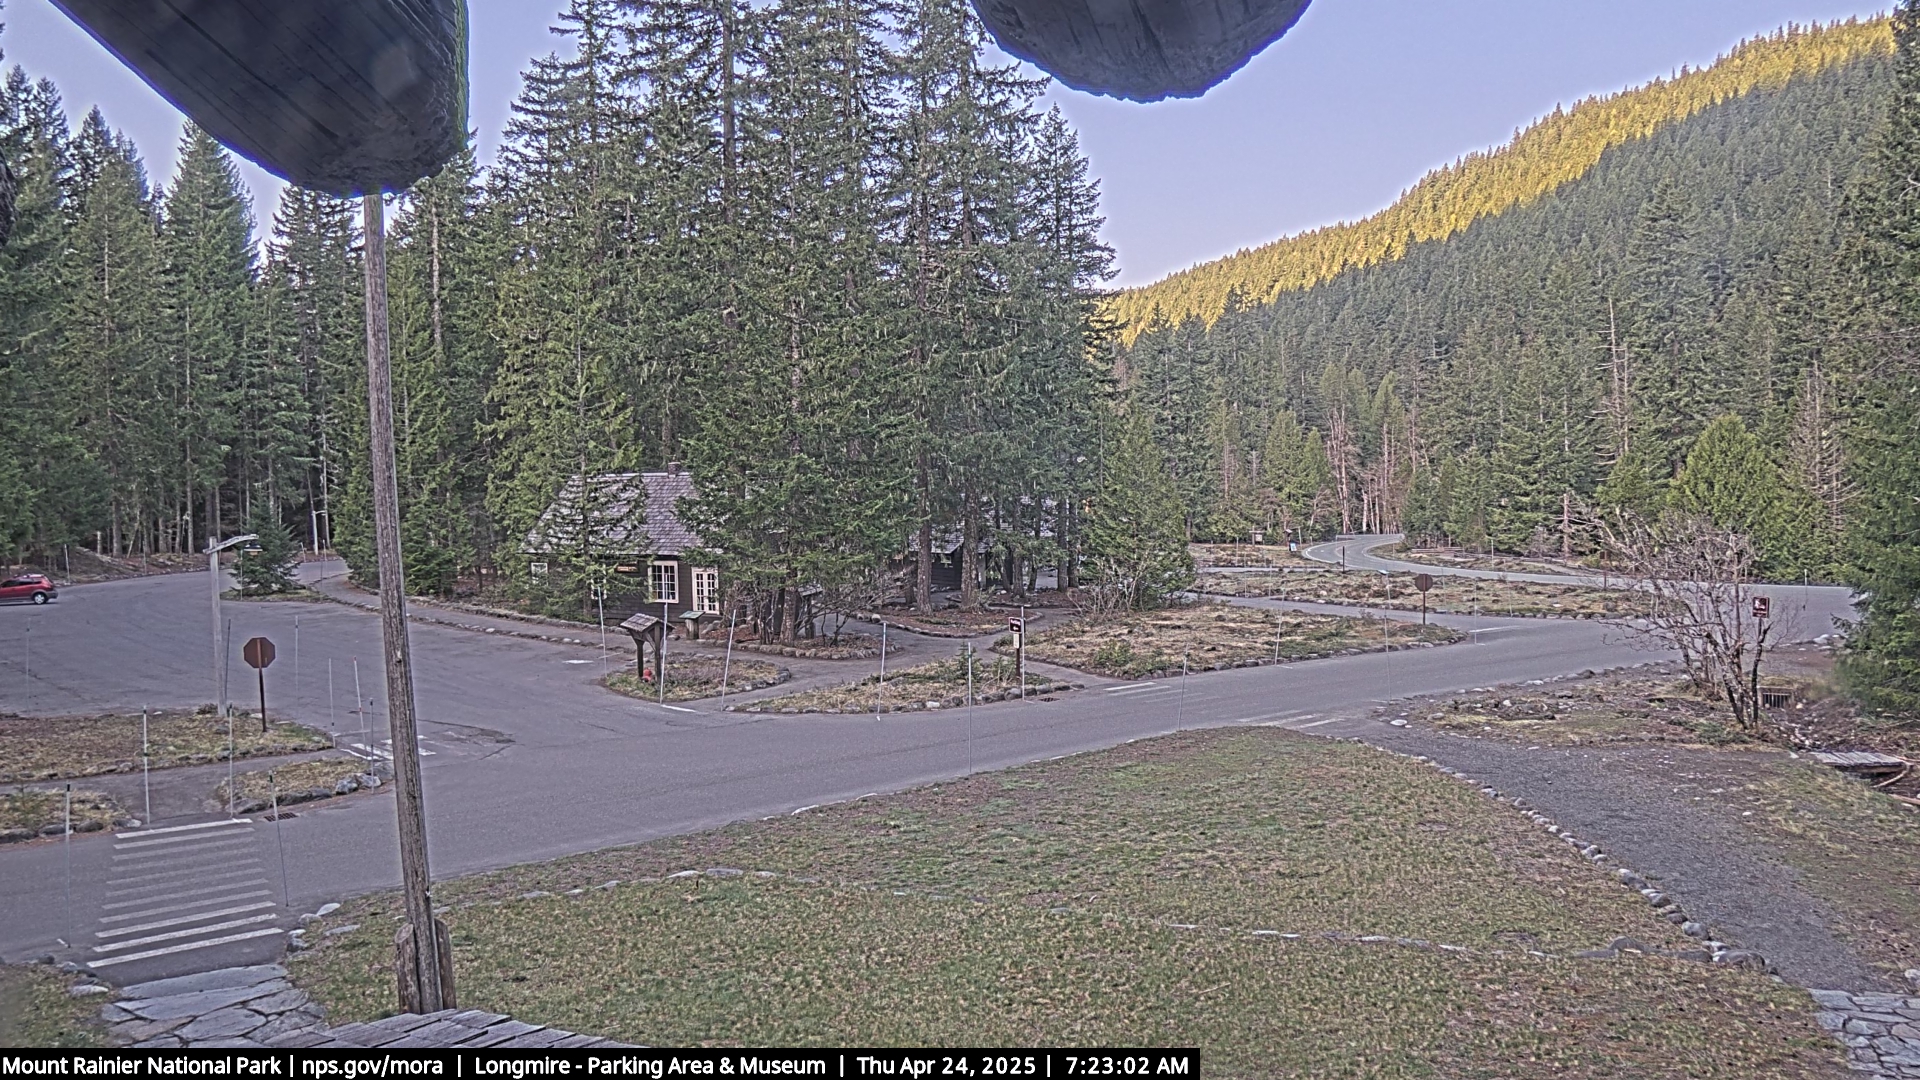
<point x="110" y="347"/>
<point x="1136" y="537"/>
<point x="207" y="270"/>
<point x="1883" y="649"/>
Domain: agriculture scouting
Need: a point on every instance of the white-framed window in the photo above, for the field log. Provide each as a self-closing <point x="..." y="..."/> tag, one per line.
<point x="706" y="590"/>
<point x="663" y="580"/>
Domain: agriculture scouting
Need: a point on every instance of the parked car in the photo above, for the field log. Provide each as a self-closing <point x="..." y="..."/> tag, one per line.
<point x="32" y="587"/>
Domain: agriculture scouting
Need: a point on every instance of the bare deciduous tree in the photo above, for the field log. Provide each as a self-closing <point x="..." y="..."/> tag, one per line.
<point x="1701" y="579"/>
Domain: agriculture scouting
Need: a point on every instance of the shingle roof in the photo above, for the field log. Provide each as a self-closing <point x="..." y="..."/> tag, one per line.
<point x="618" y="514"/>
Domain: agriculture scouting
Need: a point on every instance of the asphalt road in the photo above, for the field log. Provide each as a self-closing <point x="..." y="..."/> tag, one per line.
<point x="526" y="759"/>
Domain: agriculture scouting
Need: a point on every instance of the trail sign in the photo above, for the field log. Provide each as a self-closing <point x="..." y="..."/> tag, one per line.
<point x="1015" y="625"/>
<point x="258" y="652"/>
<point x="1762" y="607"/>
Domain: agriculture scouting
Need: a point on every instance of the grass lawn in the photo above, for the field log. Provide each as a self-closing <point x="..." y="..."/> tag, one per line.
<point x="1138" y="896"/>
<point x="1457" y="596"/>
<point x="59" y="748"/>
<point x="1211" y="636"/>
<point x="939" y="685"/>
<point x="691" y="678"/>
<point x="36" y="1011"/>
<point x="25" y="812"/>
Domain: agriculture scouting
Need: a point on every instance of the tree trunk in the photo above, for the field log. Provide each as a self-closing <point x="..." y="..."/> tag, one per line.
<point x="969" y="551"/>
<point x="923" y="543"/>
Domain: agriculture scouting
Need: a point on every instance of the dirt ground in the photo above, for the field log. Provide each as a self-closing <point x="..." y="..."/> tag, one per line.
<point x="78" y="566"/>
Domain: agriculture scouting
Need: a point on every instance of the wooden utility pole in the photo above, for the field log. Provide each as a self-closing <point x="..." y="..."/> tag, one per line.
<point x="423" y="962"/>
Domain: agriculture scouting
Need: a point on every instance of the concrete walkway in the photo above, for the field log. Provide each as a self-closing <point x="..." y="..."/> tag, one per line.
<point x="256" y="1007"/>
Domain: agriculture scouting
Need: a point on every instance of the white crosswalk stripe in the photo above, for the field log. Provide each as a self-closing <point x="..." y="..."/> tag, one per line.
<point x="1141" y="690"/>
<point x="182" y="888"/>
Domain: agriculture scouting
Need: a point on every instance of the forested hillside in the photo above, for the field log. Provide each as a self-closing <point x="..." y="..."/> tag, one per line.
<point x="1554" y="151"/>
<point x="1493" y="387"/>
<point x="819" y="251"/>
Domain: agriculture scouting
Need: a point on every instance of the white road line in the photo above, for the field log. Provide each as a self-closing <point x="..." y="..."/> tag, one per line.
<point x="170" y="876"/>
<point x="1269" y="716"/>
<point x="1317" y="723"/>
<point x="1133" y="689"/>
<point x="177" y="934"/>
<point x="184" y="907"/>
<point x="675" y="708"/>
<point x="186" y="828"/>
<point x="182" y="920"/>
<point x="171" y="949"/>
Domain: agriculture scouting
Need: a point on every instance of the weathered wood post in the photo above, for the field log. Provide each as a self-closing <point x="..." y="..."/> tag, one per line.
<point x="423" y="960"/>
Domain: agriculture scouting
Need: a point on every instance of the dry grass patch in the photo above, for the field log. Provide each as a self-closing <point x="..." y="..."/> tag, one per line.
<point x="1212" y="555"/>
<point x="1613" y="710"/>
<point x="691" y="678"/>
<point x="1211" y="636"/>
<point x="1475" y="560"/>
<point x="299" y="782"/>
<point x="1113" y="898"/>
<point x="63" y="747"/>
<point x="1452" y="596"/>
<point x="939" y="685"/>
<point x="36" y="1011"/>
<point x="29" y="812"/>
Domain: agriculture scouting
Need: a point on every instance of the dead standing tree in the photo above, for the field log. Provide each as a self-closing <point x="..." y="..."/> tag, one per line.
<point x="1701" y="578"/>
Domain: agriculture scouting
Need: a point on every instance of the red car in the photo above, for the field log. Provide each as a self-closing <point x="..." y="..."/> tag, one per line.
<point x="34" y="587"/>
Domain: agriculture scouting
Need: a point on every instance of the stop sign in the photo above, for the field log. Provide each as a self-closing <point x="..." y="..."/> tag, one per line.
<point x="258" y="652"/>
<point x="1423" y="582"/>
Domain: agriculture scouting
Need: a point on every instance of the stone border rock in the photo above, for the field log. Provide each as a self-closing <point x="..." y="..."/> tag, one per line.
<point x="1880" y="1031"/>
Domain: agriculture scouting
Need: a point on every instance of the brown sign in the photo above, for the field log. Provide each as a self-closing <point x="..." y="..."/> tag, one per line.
<point x="257" y="652"/>
<point x="1762" y="607"/>
<point x="1423" y="582"/>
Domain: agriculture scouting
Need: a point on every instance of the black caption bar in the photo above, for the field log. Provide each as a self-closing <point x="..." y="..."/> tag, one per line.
<point x="378" y="1064"/>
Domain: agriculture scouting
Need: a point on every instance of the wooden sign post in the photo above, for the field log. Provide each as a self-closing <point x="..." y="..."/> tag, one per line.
<point x="1423" y="582"/>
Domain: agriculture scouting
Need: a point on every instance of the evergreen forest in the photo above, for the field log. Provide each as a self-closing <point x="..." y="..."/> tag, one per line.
<point x="822" y="253"/>
<point x="844" y="269"/>
<point x="1707" y="318"/>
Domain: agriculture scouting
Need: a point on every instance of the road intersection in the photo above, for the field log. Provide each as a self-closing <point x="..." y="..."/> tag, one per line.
<point x="530" y="760"/>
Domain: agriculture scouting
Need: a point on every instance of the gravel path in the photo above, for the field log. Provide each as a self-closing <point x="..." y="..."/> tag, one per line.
<point x="1616" y="798"/>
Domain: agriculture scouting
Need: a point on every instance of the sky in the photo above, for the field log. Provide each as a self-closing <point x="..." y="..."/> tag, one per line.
<point x="1330" y="124"/>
